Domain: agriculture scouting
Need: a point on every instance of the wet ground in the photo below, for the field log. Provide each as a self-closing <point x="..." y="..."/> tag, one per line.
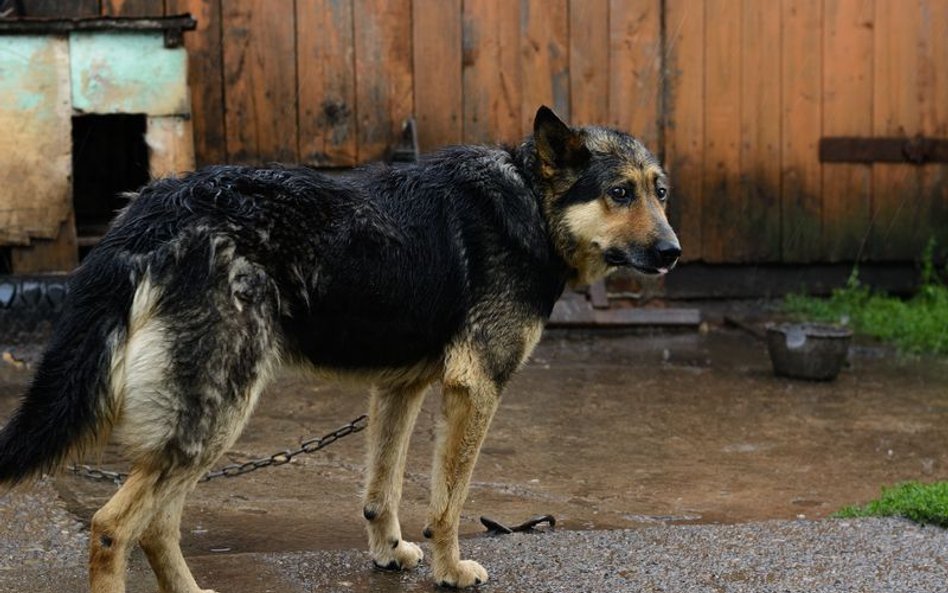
<point x="659" y="436"/>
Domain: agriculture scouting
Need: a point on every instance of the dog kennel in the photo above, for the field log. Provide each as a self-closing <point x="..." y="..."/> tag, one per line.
<point x="89" y="108"/>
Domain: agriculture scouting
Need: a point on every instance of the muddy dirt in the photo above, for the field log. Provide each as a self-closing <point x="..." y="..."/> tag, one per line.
<point x="610" y="431"/>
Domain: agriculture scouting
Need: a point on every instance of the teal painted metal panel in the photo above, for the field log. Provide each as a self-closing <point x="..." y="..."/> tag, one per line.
<point x="128" y="72"/>
<point x="27" y="75"/>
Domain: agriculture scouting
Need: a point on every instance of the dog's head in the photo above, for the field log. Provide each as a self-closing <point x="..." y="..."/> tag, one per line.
<point x="604" y="196"/>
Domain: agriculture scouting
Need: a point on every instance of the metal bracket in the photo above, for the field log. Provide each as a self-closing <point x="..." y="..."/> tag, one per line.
<point x="407" y="149"/>
<point x="174" y="38"/>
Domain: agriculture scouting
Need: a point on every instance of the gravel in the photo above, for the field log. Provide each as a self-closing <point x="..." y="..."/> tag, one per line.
<point x="877" y="555"/>
<point x="42" y="550"/>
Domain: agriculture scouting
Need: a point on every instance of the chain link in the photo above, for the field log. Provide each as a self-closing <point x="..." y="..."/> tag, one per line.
<point x="238" y="469"/>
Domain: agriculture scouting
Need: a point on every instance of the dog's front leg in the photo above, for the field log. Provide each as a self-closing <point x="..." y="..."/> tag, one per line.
<point x="392" y="414"/>
<point x="470" y="399"/>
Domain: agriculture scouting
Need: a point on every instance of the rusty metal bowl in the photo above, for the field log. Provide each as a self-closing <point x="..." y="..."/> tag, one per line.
<point x="808" y="350"/>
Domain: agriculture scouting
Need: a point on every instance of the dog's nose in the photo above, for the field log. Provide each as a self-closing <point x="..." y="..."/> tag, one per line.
<point x="667" y="252"/>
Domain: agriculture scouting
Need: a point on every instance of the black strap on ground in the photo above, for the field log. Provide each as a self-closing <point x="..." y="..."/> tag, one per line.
<point x="498" y="528"/>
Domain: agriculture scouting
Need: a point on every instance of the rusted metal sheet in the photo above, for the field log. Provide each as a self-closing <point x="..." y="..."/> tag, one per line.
<point x="917" y="150"/>
<point x="128" y="72"/>
<point x="35" y="191"/>
<point x="170" y="146"/>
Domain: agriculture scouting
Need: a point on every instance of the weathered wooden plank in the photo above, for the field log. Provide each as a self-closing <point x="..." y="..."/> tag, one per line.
<point x="933" y="97"/>
<point x="572" y="312"/>
<point x="899" y="229"/>
<point x="260" y="80"/>
<point x="205" y="78"/>
<point x="35" y="119"/>
<point x="635" y="68"/>
<point x="136" y="8"/>
<point x="722" y="132"/>
<point x="170" y="142"/>
<point x="383" y="74"/>
<point x="801" y="125"/>
<point x="120" y="72"/>
<point x="544" y="31"/>
<point x="59" y="254"/>
<point x="436" y="43"/>
<point x="491" y="71"/>
<point x="847" y="109"/>
<point x="61" y="8"/>
<point x="589" y="71"/>
<point x="708" y="281"/>
<point x="326" y="82"/>
<point x="756" y="212"/>
<point x="684" y="133"/>
<point x="598" y="295"/>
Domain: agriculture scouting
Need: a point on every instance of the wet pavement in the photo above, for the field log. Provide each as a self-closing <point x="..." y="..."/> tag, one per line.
<point x="683" y="446"/>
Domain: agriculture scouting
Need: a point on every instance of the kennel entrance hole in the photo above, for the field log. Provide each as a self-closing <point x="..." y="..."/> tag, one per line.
<point x="109" y="157"/>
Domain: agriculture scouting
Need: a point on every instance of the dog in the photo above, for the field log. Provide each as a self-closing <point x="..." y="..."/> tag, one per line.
<point x="442" y="271"/>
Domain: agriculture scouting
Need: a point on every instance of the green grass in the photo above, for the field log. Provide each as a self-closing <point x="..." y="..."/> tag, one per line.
<point x="915" y="326"/>
<point x="923" y="503"/>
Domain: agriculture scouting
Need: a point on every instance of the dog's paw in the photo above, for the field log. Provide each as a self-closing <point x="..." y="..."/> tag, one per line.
<point x="466" y="573"/>
<point x="403" y="556"/>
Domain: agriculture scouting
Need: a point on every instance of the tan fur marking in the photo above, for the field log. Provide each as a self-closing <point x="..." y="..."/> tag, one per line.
<point x="469" y="401"/>
<point x="424" y="372"/>
<point x="147" y="510"/>
<point x="531" y="337"/>
<point x="161" y="544"/>
<point x="115" y="526"/>
<point x="392" y="414"/>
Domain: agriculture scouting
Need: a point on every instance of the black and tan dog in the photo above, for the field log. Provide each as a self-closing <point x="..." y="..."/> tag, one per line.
<point x="445" y="271"/>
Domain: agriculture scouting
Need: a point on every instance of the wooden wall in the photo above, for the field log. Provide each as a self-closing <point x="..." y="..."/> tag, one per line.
<point x="751" y="88"/>
<point x="734" y="94"/>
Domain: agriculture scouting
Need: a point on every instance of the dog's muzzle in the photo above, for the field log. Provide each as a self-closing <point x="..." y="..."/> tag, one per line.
<point x="659" y="258"/>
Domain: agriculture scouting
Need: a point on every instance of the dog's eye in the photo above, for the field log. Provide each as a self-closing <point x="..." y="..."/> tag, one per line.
<point x="661" y="193"/>
<point x="620" y="195"/>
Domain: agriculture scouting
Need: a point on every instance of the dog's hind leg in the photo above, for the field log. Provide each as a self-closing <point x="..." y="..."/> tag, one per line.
<point x="161" y="544"/>
<point x="118" y="525"/>
<point x="147" y="510"/>
<point x="392" y="414"/>
<point x="187" y="380"/>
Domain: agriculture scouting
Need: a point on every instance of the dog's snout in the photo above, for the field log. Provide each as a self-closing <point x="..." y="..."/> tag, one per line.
<point x="667" y="252"/>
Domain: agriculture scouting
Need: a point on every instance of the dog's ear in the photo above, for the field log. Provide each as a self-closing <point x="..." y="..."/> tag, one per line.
<point x="558" y="145"/>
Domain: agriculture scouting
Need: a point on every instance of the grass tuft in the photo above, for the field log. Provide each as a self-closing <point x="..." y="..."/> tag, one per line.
<point x="915" y="326"/>
<point x="926" y="504"/>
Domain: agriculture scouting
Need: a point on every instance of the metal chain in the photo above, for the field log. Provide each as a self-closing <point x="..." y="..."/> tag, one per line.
<point x="239" y="469"/>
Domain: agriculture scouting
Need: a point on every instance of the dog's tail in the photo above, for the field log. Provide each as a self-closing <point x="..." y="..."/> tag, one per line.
<point x="69" y="403"/>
